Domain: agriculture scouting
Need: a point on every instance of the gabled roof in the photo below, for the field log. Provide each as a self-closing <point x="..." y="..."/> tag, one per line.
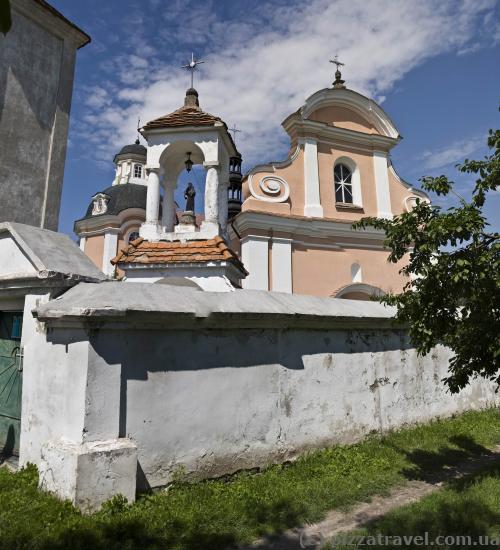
<point x="52" y="255"/>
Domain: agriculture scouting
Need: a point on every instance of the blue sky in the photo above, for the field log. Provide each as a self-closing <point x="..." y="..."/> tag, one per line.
<point x="434" y="65"/>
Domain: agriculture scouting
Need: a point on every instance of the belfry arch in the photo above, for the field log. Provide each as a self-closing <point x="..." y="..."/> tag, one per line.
<point x="187" y="135"/>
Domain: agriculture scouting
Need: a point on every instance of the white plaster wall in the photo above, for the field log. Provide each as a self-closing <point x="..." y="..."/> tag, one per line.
<point x="281" y="264"/>
<point x="210" y="278"/>
<point x="54" y="386"/>
<point x="12" y="259"/>
<point x="255" y="258"/>
<point x="216" y="401"/>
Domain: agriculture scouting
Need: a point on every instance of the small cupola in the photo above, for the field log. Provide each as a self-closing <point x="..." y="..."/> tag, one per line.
<point x="130" y="164"/>
<point x="191" y="99"/>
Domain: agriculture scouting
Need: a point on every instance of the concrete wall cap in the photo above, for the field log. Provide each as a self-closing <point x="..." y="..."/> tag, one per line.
<point x="155" y="304"/>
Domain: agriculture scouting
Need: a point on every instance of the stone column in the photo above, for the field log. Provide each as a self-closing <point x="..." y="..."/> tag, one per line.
<point x="212" y="195"/>
<point x="153" y="197"/>
<point x="168" y="210"/>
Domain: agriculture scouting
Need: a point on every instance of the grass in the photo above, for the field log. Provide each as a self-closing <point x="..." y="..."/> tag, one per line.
<point x="467" y="509"/>
<point x="214" y="514"/>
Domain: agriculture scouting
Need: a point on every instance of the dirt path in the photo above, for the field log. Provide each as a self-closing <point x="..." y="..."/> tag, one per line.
<point x="337" y="522"/>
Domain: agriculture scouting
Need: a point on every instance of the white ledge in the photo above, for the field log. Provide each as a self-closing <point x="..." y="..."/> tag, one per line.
<point x="181" y="307"/>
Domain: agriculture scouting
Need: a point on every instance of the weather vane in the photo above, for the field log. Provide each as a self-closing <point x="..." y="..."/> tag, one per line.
<point x="191" y="66"/>
<point x="234" y="130"/>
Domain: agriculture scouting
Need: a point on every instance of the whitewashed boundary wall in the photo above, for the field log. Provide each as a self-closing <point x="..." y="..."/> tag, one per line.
<point x="164" y="378"/>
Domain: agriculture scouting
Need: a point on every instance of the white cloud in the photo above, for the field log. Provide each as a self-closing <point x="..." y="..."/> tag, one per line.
<point x="452" y="154"/>
<point x="260" y="68"/>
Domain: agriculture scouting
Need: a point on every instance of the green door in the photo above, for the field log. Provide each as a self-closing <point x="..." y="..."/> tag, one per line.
<point x="10" y="382"/>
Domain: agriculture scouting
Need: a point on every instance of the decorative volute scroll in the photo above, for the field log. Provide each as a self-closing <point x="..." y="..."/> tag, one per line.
<point x="272" y="189"/>
<point x="411" y="202"/>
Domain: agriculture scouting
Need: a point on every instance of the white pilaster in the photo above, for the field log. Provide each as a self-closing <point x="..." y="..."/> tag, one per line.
<point x="83" y="241"/>
<point x="110" y="249"/>
<point x="255" y="257"/>
<point x="312" y="202"/>
<point x="381" y="171"/>
<point x="281" y="265"/>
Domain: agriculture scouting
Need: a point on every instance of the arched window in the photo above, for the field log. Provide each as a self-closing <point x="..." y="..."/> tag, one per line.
<point x="342" y="177"/>
<point x="137" y="171"/>
<point x="133" y="236"/>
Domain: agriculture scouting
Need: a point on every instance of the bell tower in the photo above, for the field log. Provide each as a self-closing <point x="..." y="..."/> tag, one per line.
<point x="176" y="142"/>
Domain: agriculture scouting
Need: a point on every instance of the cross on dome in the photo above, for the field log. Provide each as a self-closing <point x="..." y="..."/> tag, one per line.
<point x="191" y="66"/>
<point x="338" y="82"/>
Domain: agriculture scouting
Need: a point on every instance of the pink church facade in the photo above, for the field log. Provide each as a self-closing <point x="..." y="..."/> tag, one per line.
<point x="294" y="233"/>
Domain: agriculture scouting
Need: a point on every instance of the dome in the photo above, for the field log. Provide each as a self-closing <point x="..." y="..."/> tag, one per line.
<point x="121" y="197"/>
<point x="133" y="149"/>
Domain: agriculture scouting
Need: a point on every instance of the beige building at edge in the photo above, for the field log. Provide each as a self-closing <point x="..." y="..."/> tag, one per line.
<point x="294" y="231"/>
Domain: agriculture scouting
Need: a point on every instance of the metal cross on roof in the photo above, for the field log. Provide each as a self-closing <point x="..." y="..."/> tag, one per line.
<point x="138" y="128"/>
<point x="336" y="61"/>
<point x="234" y="130"/>
<point x="191" y="66"/>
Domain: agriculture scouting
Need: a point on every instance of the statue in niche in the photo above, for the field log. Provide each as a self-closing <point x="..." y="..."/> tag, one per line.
<point x="189" y="195"/>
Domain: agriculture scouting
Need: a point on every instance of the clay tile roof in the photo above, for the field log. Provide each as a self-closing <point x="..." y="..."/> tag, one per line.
<point x="185" y="116"/>
<point x="164" y="252"/>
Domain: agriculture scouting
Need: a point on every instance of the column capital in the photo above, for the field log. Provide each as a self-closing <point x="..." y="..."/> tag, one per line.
<point x="211" y="164"/>
<point x="153" y="168"/>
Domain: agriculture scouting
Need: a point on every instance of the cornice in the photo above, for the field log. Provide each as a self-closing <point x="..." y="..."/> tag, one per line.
<point x="311" y="227"/>
<point x="350" y="99"/>
<point x="333" y="135"/>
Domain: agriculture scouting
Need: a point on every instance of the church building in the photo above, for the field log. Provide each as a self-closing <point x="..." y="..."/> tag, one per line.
<point x="295" y="233"/>
<point x="285" y="226"/>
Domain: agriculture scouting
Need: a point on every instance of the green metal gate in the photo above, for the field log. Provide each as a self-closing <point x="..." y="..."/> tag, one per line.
<point x="10" y="383"/>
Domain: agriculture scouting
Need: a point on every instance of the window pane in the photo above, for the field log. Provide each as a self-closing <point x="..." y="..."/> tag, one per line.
<point x="347" y="193"/>
<point x="338" y="193"/>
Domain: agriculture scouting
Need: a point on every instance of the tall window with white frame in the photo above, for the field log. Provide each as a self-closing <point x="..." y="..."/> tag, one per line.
<point x="137" y="171"/>
<point x="342" y="177"/>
